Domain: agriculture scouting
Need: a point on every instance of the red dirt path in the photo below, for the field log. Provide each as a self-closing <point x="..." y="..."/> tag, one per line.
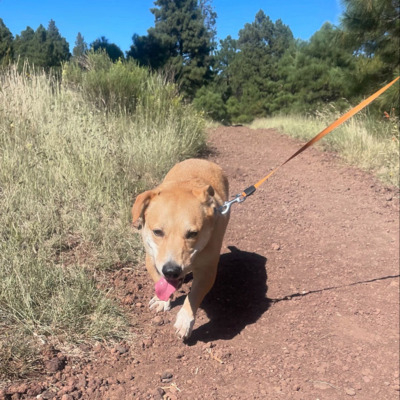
<point x="306" y="303"/>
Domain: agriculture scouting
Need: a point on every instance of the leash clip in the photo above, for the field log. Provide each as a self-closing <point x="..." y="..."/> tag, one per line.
<point x="224" y="209"/>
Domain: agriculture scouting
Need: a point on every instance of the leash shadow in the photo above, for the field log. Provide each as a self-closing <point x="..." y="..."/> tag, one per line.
<point x="237" y="299"/>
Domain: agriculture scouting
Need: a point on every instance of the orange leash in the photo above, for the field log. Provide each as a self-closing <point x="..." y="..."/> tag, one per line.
<point x="251" y="189"/>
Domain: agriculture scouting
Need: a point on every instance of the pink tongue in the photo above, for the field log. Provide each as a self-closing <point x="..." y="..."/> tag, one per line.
<point x="164" y="289"/>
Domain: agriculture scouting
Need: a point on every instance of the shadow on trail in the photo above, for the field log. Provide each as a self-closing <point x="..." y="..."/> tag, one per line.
<point x="306" y="293"/>
<point x="238" y="297"/>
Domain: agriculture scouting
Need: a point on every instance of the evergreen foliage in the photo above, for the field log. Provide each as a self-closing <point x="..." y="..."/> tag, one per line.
<point x="247" y="69"/>
<point x="57" y="46"/>
<point x="371" y="29"/>
<point x="263" y="72"/>
<point x="44" y="48"/>
<point x="6" y="44"/>
<point x="181" y="41"/>
<point x="81" y="47"/>
<point x="315" y="73"/>
<point x="112" y="50"/>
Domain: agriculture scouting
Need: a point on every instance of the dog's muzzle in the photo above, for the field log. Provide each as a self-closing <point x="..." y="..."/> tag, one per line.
<point x="171" y="270"/>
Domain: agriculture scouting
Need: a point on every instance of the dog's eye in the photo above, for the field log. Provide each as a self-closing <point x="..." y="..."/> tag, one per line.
<point x="191" y="234"/>
<point x="158" y="232"/>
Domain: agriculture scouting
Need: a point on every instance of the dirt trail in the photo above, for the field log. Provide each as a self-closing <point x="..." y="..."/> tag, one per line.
<point x="306" y="303"/>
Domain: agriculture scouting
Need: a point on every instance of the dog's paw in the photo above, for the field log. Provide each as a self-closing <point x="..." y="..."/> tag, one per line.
<point x="184" y="324"/>
<point x="159" y="305"/>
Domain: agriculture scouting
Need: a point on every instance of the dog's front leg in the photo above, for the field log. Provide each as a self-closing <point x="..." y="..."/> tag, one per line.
<point x="203" y="280"/>
<point x="155" y="303"/>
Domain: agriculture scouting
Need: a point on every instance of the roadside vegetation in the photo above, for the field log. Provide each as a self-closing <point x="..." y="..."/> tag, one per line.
<point x="73" y="157"/>
<point x="362" y="141"/>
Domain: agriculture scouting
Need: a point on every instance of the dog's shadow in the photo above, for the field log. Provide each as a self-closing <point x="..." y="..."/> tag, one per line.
<point x="238" y="297"/>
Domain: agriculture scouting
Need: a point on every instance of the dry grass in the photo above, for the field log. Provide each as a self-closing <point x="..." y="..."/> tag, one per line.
<point x="68" y="175"/>
<point x="362" y="141"/>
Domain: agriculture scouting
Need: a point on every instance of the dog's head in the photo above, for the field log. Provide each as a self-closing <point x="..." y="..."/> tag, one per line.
<point x="176" y="223"/>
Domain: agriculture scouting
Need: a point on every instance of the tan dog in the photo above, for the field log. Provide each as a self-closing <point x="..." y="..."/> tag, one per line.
<point x="182" y="231"/>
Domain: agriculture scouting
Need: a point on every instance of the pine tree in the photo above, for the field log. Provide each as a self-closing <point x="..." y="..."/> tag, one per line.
<point x="223" y="61"/>
<point x="30" y="46"/>
<point x="255" y="75"/>
<point x="316" y="72"/>
<point x="371" y="29"/>
<point x="113" y="51"/>
<point x="81" y="47"/>
<point x="6" y="44"/>
<point x="148" y="51"/>
<point x="182" y="40"/>
<point x="57" y="46"/>
<point x="43" y="48"/>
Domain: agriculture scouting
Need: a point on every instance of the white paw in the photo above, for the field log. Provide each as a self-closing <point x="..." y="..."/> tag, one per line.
<point x="159" y="305"/>
<point x="184" y="324"/>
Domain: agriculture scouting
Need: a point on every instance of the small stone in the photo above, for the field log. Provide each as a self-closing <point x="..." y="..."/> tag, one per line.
<point x="121" y="349"/>
<point x="54" y="365"/>
<point x="275" y="246"/>
<point x="18" y="388"/>
<point x="158" y="393"/>
<point x="34" y="390"/>
<point x="166" y="377"/>
<point x="350" y="392"/>
<point x="128" y="300"/>
<point x="157" y="320"/>
<point x="47" y="395"/>
<point x="85" y="347"/>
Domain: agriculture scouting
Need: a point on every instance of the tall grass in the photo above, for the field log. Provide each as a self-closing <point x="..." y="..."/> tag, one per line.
<point x="69" y="171"/>
<point x="362" y="141"/>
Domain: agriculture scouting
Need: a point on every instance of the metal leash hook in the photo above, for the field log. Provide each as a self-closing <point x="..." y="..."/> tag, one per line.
<point x="224" y="209"/>
<point x="239" y="198"/>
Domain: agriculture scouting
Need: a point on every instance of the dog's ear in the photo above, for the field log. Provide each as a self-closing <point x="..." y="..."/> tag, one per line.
<point x="204" y="194"/>
<point x="139" y="207"/>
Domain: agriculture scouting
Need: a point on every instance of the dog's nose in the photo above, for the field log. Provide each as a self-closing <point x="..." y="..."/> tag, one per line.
<point x="171" y="270"/>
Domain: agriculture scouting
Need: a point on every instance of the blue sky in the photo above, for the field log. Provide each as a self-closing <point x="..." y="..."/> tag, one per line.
<point x="118" y="20"/>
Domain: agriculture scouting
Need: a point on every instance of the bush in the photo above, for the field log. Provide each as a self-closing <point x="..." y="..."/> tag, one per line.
<point x="211" y="104"/>
<point x="109" y="85"/>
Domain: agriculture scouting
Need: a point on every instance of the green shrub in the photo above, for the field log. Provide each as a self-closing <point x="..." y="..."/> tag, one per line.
<point x="109" y="85"/>
<point x="211" y="104"/>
